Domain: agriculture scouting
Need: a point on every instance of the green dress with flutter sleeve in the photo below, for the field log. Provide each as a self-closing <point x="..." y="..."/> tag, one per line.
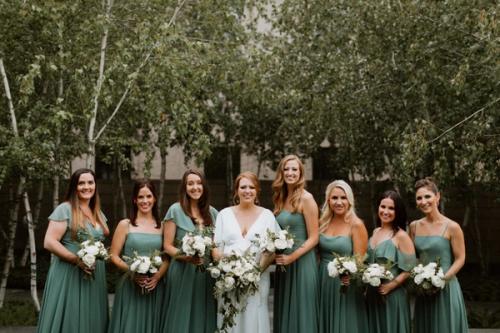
<point x="133" y="310"/>
<point x="189" y="305"/>
<point x="72" y="302"/>
<point x="389" y="313"/>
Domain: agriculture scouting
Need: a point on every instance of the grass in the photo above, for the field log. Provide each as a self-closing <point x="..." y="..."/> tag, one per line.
<point x="18" y="313"/>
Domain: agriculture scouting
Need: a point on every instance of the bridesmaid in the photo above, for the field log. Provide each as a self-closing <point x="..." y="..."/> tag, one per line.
<point x="390" y="244"/>
<point x="438" y="237"/>
<point x="73" y="302"/>
<point x="343" y="233"/>
<point x="296" y="289"/>
<point x="189" y="305"/>
<point x="133" y="310"/>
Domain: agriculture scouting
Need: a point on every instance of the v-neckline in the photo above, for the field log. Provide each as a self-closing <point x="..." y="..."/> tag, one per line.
<point x="244" y="236"/>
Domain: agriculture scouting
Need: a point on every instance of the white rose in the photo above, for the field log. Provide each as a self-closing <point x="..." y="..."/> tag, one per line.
<point x="418" y="269"/>
<point x="92" y="249"/>
<point x="374" y="282"/>
<point x="251" y="277"/>
<point x="88" y="260"/>
<point x="332" y="269"/>
<point x="153" y="270"/>
<point x="350" y="266"/>
<point x="80" y="253"/>
<point x="207" y="240"/>
<point x="134" y="265"/>
<point x="229" y="282"/>
<point x="438" y="282"/>
<point x="86" y="243"/>
<point x="270" y="247"/>
<point x="157" y="260"/>
<point x="238" y="271"/>
<point x="226" y="267"/>
<point x="215" y="273"/>
<point x="280" y="244"/>
<point x="143" y="267"/>
<point x="418" y="279"/>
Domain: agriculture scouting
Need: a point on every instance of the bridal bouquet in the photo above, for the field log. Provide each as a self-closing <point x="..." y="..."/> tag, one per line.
<point x="275" y="242"/>
<point x="90" y="251"/>
<point x="373" y="274"/>
<point x="427" y="280"/>
<point x="197" y="244"/>
<point x="236" y="277"/>
<point x="344" y="266"/>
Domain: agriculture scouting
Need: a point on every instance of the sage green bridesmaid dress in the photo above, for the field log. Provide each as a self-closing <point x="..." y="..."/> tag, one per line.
<point x="339" y="312"/>
<point x="72" y="302"/>
<point x="135" y="311"/>
<point x="389" y="313"/>
<point x="296" y="289"/>
<point x="189" y="305"/>
<point x="445" y="311"/>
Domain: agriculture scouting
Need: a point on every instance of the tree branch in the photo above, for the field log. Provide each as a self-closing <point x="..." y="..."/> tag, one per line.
<point x="463" y="121"/>
<point x="135" y="74"/>
<point x="9" y="99"/>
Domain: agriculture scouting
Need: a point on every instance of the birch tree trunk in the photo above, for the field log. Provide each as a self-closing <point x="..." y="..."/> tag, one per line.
<point x="123" y="203"/>
<point x="229" y="175"/>
<point x="27" y="207"/>
<point x="36" y="219"/>
<point x="14" y="197"/>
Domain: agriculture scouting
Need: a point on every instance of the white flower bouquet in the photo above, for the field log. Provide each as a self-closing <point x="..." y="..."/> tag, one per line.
<point x="90" y="251"/>
<point x="144" y="265"/>
<point x="275" y="242"/>
<point x="198" y="244"/>
<point x="373" y="274"/>
<point x="427" y="280"/>
<point x="344" y="266"/>
<point x="237" y="277"/>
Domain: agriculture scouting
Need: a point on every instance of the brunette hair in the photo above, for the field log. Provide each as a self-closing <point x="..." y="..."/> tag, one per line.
<point x="138" y="185"/>
<point x="280" y="189"/>
<point x="428" y="183"/>
<point x="255" y="181"/>
<point x="400" y="217"/>
<point x="94" y="204"/>
<point x="326" y="211"/>
<point x="203" y="202"/>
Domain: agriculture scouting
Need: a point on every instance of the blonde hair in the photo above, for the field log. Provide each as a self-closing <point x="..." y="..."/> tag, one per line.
<point x="280" y="189"/>
<point x="326" y="211"/>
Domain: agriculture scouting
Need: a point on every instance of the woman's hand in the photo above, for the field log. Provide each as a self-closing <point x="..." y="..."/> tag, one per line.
<point x="86" y="269"/>
<point x="150" y="283"/>
<point x="285" y="259"/>
<point x="386" y="288"/>
<point x="345" y="280"/>
<point x="140" y="280"/>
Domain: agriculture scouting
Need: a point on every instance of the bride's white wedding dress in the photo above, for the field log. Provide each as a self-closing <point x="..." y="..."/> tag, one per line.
<point x="255" y="317"/>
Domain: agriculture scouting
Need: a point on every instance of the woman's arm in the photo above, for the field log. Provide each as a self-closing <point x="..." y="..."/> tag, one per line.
<point x="117" y="244"/>
<point x="405" y="245"/>
<point x="310" y="212"/>
<point x="169" y="230"/>
<point x="458" y="249"/>
<point x="359" y="238"/>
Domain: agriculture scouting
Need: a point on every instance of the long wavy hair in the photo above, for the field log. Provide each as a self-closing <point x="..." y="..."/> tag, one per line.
<point x="400" y="217"/>
<point x="280" y="188"/>
<point x="203" y="202"/>
<point x="255" y="181"/>
<point x="78" y="221"/>
<point x="327" y="212"/>
<point x="138" y="185"/>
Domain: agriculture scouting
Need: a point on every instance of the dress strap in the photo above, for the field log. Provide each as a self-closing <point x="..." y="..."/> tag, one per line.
<point x="445" y="228"/>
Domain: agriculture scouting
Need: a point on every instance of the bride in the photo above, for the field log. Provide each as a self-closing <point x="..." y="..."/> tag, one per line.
<point x="235" y="229"/>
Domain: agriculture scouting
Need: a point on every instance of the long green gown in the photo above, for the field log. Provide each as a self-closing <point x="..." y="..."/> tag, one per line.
<point x="296" y="289"/>
<point x="445" y="311"/>
<point x="73" y="302"/>
<point x="135" y="311"/>
<point x="390" y="313"/>
<point x="189" y="305"/>
<point x="339" y="312"/>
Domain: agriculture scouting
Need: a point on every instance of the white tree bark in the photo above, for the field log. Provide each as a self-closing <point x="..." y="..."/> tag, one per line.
<point x="36" y="219"/>
<point x="14" y="211"/>
<point x="22" y="181"/>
